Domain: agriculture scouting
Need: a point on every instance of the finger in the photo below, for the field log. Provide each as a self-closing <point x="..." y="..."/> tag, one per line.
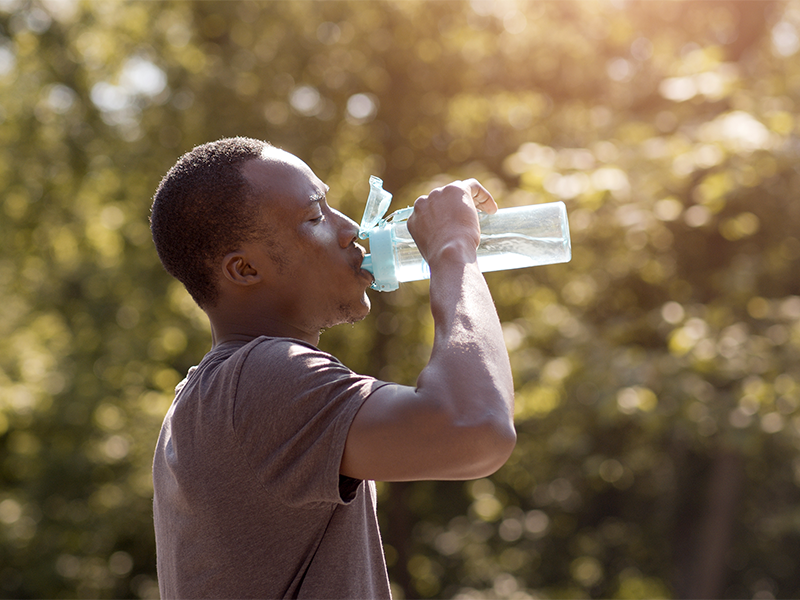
<point x="481" y="196"/>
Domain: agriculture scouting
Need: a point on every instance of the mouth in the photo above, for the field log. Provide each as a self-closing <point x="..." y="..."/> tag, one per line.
<point x="365" y="274"/>
<point x="360" y="271"/>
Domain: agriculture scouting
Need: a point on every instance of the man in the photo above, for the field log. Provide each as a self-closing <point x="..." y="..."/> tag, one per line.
<point x="264" y="468"/>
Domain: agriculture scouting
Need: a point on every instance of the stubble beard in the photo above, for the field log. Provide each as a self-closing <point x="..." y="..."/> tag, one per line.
<point x="351" y="314"/>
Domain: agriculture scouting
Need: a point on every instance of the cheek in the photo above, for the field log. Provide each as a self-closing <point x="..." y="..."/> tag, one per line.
<point x="316" y="242"/>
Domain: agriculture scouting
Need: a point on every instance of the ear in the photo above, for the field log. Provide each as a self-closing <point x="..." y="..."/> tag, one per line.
<point x="239" y="270"/>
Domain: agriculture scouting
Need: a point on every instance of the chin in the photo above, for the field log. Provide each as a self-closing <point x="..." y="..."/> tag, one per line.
<point x="350" y="313"/>
<point x="360" y="312"/>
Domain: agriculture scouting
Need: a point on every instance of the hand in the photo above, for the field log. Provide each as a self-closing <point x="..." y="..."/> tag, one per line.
<point x="448" y="217"/>
<point x="480" y="195"/>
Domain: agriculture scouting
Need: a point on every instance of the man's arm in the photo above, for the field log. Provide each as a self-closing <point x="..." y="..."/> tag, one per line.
<point x="457" y="423"/>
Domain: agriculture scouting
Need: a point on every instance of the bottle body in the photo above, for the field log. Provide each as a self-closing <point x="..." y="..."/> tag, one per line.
<point x="512" y="238"/>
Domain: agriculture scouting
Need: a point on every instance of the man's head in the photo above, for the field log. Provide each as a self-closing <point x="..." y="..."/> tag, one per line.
<point x="203" y="209"/>
<point x="246" y="227"/>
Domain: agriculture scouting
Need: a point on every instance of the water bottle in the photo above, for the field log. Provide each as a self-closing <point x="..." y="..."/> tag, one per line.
<point x="512" y="238"/>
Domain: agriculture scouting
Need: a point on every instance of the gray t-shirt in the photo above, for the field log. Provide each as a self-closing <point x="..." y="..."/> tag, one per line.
<point x="248" y="500"/>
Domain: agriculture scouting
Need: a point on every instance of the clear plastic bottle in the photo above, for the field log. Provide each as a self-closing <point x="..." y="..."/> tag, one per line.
<point x="512" y="238"/>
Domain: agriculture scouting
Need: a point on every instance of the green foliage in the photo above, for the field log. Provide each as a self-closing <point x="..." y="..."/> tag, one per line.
<point x="657" y="378"/>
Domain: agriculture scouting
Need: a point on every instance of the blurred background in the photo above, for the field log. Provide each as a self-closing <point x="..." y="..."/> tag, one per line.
<point x="657" y="373"/>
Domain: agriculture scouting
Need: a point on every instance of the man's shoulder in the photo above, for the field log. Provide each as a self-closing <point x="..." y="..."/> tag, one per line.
<point x="270" y="361"/>
<point x="283" y="350"/>
<point x="259" y="348"/>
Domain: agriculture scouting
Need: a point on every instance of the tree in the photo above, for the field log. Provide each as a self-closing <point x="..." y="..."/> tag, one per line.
<point x="656" y="373"/>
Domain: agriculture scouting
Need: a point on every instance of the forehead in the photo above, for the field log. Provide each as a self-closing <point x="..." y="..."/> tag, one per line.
<point x="280" y="175"/>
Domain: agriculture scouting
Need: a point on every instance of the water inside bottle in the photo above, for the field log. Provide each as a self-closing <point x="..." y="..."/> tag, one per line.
<point x="516" y="251"/>
<point x="496" y="252"/>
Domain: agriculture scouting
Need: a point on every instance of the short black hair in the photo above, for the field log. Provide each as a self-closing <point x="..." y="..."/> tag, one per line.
<point x="202" y="210"/>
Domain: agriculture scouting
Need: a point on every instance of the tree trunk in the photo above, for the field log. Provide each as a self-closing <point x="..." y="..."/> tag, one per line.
<point x="397" y="534"/>
<point x="705" y="573"/>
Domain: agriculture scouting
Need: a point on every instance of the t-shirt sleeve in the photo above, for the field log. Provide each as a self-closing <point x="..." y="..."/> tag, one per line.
<point x="293" y="407"/>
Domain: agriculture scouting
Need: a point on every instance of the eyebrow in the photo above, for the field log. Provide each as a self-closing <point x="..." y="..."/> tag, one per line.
<point x="319" y="196"/>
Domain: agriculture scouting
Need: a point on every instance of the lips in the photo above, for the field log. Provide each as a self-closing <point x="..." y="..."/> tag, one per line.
<point x="357" y="267"/>
<point x="364" y="273"/>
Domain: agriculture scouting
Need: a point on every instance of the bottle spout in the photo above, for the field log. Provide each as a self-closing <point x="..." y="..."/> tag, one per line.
<point x="367" y="264"/>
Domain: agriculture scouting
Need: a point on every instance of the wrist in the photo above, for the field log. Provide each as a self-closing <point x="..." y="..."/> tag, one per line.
<point x="456" y="252"/>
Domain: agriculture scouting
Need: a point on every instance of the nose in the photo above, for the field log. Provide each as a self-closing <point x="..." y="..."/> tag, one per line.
<point x="348" y="229"/>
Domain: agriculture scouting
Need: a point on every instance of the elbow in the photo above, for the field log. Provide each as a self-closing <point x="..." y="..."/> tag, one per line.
<point x="467" y="439"/>
<point x="500" y="445"/>
<point x="488" y="447"/>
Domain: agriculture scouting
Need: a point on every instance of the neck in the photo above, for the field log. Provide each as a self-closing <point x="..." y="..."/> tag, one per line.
<point x="239" y="327"/>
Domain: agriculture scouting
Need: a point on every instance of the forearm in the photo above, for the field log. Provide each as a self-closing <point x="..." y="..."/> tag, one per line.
<point x="469" y="374"/>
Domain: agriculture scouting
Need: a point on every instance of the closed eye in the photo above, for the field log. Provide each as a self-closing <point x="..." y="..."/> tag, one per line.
<point x="317" y="202"/>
